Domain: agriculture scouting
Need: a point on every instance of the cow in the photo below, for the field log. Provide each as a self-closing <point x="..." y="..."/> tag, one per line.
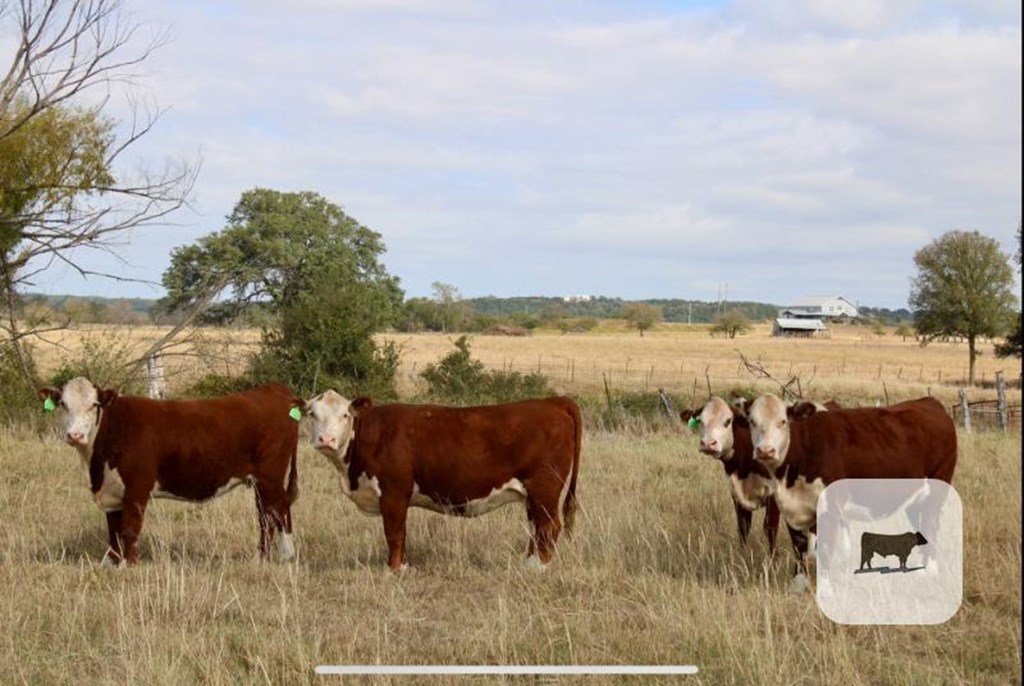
<point x="885" y="545"/>
<point x="726" y="438"/>
<point x="463" y="461"/>
<point x="806" y="450"/>
<point x="134" y="449"/>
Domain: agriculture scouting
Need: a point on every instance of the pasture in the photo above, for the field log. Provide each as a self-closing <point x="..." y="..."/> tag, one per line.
<point x="654" y="574"/>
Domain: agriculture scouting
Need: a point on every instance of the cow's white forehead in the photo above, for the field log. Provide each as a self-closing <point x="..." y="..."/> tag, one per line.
<point x="768" y="407"/>
<point x="330" y="402"/>
<point x="716" y="411"/>
<point x="79" y="393"/>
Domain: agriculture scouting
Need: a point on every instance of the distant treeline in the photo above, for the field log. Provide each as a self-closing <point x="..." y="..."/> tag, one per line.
<point x="467" y="314"/>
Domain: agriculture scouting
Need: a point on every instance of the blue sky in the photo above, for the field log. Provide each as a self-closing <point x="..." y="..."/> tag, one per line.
<point x="651" y="149"/>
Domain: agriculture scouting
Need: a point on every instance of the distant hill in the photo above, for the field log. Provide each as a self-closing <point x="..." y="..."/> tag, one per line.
<point x="600" y="307"/>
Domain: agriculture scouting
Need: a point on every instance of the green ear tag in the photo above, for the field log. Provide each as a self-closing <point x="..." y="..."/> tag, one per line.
<point x="48" y="405"/>
<point x="295" y="413"/>
<point x="693" y="423"/>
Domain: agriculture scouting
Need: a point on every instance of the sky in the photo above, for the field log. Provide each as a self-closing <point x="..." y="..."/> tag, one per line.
<point x="653" y="149"/>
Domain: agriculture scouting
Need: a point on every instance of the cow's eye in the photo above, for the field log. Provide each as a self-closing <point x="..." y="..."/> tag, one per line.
<point x="782" y="423"/>
<point x="728" y="423"/>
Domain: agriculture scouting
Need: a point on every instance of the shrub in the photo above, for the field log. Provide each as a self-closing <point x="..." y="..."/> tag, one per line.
<point x="458" y="379"/>
<point x="17" y="394"/>
<point x="105" y="359"/>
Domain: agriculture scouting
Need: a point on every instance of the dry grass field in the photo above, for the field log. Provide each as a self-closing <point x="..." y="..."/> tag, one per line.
<point x="853" y="365"/>
<point x="654" y="574"/>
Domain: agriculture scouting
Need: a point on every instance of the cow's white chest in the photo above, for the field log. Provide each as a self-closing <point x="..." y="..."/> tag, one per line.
<point x="512" y="491"/>
<point x="366" y="495"/>
<point x="753" y="491"/>
<point x="798" y="503"/>
<point x="111" y="492"/>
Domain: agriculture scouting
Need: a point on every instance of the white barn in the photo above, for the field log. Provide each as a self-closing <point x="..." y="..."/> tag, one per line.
<point x="817" y="308"/>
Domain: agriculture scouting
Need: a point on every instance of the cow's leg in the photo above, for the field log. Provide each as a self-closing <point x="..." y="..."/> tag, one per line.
<point x="743" y="519"/>
<point x="275" y="517"/>
<point x="114" y="553"/>
<point x="801" y="575"/>
<point x="394" y="509"/>
<point x="136" y="498"/>
<point x="542" y="510"/>
<point x="771" y="523"/>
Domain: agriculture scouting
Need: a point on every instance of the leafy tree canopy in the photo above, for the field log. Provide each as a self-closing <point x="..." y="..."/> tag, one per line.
<point x="315" y="270"/>
<point x="964" y="287"/>
<point x="275" y="249"/>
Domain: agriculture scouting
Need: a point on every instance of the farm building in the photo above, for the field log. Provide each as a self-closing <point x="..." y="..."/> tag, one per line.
<point x="805" y="326"/>
<point x="817" y="308"/>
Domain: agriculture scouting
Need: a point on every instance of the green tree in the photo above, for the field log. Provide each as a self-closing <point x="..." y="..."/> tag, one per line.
<point x="731" y="324"/>
<point x="315" y="270"/>
<point x="964" y="287"/>
<point x="454" y="311"/>
<point x="904" y="331"/>
<point x="641" y="316"/>
<point x="1011" y="345"/>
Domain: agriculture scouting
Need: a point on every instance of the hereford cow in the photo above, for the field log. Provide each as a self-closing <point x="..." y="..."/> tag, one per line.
<point x="885" y="545"/>
<point x="806" y="450"/>
<point x="135" y="448"/>
<point x="726" y="437"/>
<point x="463" y="461"/>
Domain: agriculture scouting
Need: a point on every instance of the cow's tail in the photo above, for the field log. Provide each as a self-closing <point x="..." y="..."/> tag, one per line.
<point x="569" y="504"/>
<point x="293" y="476"/>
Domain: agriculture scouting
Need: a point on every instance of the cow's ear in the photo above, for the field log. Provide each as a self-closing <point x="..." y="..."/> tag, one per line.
<point x="740" y="408"/>
<point x="360" y="405"/>
<point x="687" y="415"/>
<point x="106" y="396"/>
<point x="801" y="410"/>
<point x="48" y="393"/>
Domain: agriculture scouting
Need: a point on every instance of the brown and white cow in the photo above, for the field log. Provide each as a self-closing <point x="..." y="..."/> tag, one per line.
<point x="726" y="437"/>
<point x="462" y="461"/>
<point x="134" y="449"/>
<point x="806" y="450"/>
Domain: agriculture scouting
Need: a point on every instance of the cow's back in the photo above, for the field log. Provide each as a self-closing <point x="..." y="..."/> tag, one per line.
<point x="462" y="453"/>
<point x="912" y="439"/>
<point x="192" y="447"/>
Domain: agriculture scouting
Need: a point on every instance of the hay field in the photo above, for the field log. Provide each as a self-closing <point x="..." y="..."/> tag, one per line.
<point x="854" y="365"/>
<point x="654" y="575"/>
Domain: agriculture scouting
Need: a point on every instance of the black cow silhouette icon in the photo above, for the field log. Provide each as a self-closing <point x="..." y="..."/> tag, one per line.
<point x="885" y="545"/>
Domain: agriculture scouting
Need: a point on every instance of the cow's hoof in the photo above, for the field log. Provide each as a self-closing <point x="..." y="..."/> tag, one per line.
<point x="799" y="584"/>
<point x="111" y="560"/>
<point x="534" y="564"/>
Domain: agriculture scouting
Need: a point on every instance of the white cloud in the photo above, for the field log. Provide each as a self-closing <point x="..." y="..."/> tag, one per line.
<point x="643" y="148"/>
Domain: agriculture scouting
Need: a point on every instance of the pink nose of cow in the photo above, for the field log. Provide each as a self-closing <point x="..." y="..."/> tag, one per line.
<point x="74" y="437"/>
<point x="766" y="452"/>
<point x="709" y="445"/>
<point x="325" y="441"/>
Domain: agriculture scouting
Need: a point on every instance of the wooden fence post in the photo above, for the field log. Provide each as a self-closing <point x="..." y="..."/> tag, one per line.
<point x="665" y="402"/>
<point x="965" y="410"/>
<point x="1004" y="415"/>
<point x="155" y="377"/>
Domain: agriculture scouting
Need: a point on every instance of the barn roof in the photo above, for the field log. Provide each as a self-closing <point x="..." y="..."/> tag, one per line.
<point x="801" y="324"/>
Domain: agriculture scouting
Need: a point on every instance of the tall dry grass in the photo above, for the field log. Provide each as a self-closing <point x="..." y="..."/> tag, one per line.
<point x="654" y="575"/>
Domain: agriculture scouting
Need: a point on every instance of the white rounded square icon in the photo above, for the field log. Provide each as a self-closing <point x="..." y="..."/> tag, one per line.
<point x="889" y="551"/>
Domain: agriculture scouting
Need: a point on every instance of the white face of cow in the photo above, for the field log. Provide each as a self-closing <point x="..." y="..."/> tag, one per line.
<point x="769" y="430"/>
<point x="332" y="423"/>
<point x="79" y="403"/>
<point x="716" y="438"/>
